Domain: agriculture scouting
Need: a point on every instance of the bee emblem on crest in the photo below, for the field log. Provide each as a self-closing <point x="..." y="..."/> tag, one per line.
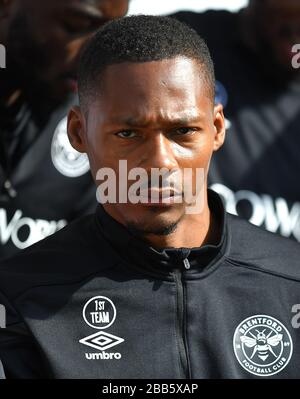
<point x="262" y="345"/>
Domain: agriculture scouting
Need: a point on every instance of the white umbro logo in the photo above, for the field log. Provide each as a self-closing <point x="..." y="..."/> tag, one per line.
<point x="101" y="340"/>
<point x="100" y="312"/>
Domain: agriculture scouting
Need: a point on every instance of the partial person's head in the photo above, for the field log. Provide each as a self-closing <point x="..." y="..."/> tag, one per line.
<point x="276" y="26"/>
<point x="146" y="89"/>
<point x="44" y="38"/>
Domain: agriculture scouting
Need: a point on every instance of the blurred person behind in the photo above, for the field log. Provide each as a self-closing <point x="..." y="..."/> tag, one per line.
<point x="257" y="173"/>
<point x="44" y="182"/>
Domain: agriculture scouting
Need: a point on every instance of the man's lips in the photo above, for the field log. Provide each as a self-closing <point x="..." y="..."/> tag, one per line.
<point x="154" y="196"/>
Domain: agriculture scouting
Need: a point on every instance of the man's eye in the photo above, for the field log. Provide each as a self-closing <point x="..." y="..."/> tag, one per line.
<point x="185" y="130"/>
<point x="126" y="134"/>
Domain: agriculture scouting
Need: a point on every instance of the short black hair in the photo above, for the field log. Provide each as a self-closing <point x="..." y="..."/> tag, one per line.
<point x="141" y="38"/>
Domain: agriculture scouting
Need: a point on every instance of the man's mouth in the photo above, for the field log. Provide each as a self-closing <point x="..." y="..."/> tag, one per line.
<point x="166" y="196"/>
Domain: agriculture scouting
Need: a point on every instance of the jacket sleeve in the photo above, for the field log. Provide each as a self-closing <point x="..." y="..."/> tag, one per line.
<point x="19" y="354"/>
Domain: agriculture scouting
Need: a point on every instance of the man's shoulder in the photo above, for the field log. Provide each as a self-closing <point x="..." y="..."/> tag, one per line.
<point x="71" y="254"/>
<point x="256" y="248"/>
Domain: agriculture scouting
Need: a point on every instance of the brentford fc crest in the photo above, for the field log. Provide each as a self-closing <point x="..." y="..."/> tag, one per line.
<point x="65" y="158"/>
<point x="262" y="345"/>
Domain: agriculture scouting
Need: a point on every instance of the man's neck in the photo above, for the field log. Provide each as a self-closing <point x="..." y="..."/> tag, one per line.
<point x="192" y="231"/>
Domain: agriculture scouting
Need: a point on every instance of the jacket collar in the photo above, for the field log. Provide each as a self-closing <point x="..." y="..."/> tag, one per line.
<point x="140" y="254"/>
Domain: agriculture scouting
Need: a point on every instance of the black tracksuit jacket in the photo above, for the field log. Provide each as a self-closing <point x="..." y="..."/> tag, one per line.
<point x="92" y="301"/>
<point x="40" y="178"/>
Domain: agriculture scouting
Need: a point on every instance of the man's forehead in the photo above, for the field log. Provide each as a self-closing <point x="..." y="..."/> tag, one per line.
<point x="178" y="69"/>
<point x="136" y="115"/>
<point x="151" y="87"/>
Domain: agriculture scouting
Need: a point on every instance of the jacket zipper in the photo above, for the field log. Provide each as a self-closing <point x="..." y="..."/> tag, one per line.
<point x="180" y="324"/>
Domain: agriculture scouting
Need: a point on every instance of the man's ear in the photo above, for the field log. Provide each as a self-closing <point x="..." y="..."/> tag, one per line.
<point x="219" y="126"/>
<point x="76" y="129"/>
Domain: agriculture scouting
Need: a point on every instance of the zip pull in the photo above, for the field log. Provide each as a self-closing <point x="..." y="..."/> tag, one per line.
<point x="186" y="263"/>
<point x="10" y="189"/>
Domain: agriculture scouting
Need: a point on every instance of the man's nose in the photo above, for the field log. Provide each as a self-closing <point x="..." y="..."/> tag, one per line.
<point x="159" y="153"/>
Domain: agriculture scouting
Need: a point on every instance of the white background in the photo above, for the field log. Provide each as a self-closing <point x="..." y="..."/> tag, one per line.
<point x="169" y="6"/>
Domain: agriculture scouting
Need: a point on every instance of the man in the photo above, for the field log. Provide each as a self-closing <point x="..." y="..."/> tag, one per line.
<point x="153" y="288"/>
<point x="258" y="83"/>
<point x="40" y="173"/>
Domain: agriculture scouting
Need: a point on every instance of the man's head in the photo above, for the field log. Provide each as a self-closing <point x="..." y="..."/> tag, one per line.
<point x="146" y="88"/>
<point x="276" y="26"/>
<point x="44" y="38"/>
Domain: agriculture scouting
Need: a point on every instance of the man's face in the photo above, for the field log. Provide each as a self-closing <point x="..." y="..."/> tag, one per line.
<point x="278" y="24"/>
<point x="44" y="39"/>
<point x="152" y="115"/>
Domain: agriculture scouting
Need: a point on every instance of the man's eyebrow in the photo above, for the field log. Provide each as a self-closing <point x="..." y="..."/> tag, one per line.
<point x="143" y="122"/>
